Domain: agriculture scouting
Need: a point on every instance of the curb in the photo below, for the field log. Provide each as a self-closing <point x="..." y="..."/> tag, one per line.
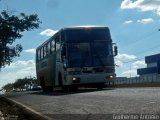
<point x="29" y="111"/>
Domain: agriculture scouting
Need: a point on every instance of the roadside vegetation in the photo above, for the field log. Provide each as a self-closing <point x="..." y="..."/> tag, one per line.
<point x="11" y="27"/>
<point x="12" y="111"/>
<point x="20" y="85"/>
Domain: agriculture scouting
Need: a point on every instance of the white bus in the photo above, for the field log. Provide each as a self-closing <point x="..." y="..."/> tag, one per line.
<point x="76" y="56"/>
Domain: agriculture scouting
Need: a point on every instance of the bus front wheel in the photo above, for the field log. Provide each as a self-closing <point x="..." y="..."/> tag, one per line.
<point x="44" y="88"/>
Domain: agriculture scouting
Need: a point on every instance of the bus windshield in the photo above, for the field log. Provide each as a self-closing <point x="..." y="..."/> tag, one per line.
<point x="87" y="54"/>
<point x="84" y="35"/>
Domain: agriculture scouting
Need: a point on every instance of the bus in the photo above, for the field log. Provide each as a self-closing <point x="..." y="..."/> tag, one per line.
<point x="75" y="57"/>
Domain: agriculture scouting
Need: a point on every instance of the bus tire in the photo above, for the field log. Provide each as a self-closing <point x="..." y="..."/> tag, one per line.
<point x="65" y="88"/>
<point x="73" y="88"/>
<point x="50" y="88"/>
<point x="44" y="88"/>
<point x="101" y="86"/>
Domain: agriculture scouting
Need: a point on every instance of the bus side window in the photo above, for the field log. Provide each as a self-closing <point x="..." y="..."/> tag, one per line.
<point x="63" y="50"/>
<point x="57" y="42"/>
<point x="57" y="46"/>
<point x="52" y="46"/>
<point x="110" y="49"/>
<point x="45" y="50"/>
<point x="38" y="55"/>
<point x="41" y="53"/>
<point x="48" y="48"/>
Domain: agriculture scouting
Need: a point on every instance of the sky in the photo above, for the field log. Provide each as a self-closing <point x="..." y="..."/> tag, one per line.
<point x="133" y="25"/>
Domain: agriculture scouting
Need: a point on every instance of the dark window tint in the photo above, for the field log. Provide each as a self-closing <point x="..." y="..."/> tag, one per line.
<point x="97" y="53"/>
<point x="52" y="45"/>
<point x="102" y="50"/>
<point x="57" y="39"/>
<point x="41" y="53"/>
<point x="79" y="55"/>
<point x="45" y="50"/>
<point x="38" y="55"/>
<point x="83" y="35"/>
<point x="48" y="48"/>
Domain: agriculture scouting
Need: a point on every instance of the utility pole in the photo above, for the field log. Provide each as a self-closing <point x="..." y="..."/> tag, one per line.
<point x="130" y="71"/>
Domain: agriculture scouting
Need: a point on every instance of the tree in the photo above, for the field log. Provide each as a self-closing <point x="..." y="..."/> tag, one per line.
<point x="8" y="87"/>
<point x="11" y="28"/>
<point x="20" y="84"/>
<point x="24" y="83"/>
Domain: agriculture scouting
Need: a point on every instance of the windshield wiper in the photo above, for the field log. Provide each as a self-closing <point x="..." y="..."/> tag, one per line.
<point x="84" y="60"/>
<point x="99" y="58"/>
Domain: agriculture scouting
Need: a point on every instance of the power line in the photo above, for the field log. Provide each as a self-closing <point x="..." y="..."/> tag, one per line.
<point x="125" y="62"/>
<point x="150" y="49"/>
<point x="145" y="38"/>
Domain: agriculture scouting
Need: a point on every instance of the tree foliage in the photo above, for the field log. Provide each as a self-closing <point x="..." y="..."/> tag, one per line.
<point x="8" y="87"/>
<point x="11" y="28"/>
<point x="20" y="84"/>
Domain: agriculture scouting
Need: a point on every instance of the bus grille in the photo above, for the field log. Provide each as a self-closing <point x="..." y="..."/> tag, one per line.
<point x="89" y="71"/>
<point x="101" y="69"/>
<point x="110" y="70"/>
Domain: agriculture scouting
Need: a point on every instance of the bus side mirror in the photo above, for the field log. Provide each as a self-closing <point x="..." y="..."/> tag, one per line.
<point x="115" y="50"/>
<point x="65" y="66"/>
<point x="64" y="62"/>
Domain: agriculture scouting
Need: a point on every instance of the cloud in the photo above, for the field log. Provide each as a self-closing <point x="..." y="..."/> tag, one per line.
<point x="33" y="51"/>
<point x="133" y="69"/>
<point x="118" y="63"/>
<point x="146" y="21"/>
<point x="138" y="64"/>
<point x="128" y="22"/>
<point x="130" y="73"/>
<point x="127" y="70"/>
<point x="143" y="5"/>
<point x="48" y="32"/>
<point x="21" y="64"/>
<point x="127" y="4"/>
<point x="125" y="56"/>
<point x="53" y="4"/>
<point x="16" y="70"/>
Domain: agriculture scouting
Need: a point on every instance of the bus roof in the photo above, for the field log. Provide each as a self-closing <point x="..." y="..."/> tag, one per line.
<point x="74" y="28"/>
<point x="85" y="27"/>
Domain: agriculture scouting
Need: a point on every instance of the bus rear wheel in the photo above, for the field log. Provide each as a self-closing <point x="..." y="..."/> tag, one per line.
<point x="44" y="88"/>
<point x="73" y="88"/>
<point x="65" y="88"/>
<point x="101" y="86"/>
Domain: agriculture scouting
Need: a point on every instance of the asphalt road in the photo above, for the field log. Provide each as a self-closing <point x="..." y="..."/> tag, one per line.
<point x="92" y="104"/>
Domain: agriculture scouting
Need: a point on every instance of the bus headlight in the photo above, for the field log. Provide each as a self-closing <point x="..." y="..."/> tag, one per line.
<point x="109" y="77"/>
<point x="76" y="79"/>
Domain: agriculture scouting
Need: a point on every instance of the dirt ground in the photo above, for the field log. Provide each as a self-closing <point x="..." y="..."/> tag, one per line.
<point x="12" y="111"/>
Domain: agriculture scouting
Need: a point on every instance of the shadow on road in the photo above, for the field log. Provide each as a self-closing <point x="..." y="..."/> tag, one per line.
<point x="61" y="92"/>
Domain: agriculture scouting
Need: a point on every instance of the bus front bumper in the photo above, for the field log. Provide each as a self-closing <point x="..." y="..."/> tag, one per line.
<point x="90" y="78"/>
